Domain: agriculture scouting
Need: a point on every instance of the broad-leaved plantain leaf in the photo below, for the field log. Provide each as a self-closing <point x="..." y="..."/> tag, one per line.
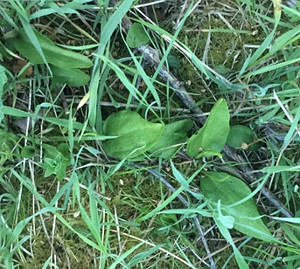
<point x="230" y="190"/>
<point x="174" y="133"/>
<point x="72" y="77"/>
<point x="55" y="55"/>
<point x="211" y="138"/>
<point x="136" y="36"/>
<point x="135" y="135"/>
<point x="242" y="137"/>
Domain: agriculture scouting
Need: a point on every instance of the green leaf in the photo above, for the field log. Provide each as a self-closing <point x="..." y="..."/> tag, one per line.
<point x="173" y="63"/>
<point x="72" y="77"/>
<point x="57" y="160"/>
<point x="50" y="151"/>
<point x="49" y="165"/>
<point x="173" y="134"/>
<point x="54" y="55"/>
<point x="230" y="190"/>
<point x="240" y="137"/>
<point x="136" y="36"/>
<point x="135" y="135"/>
<point x="28" y="151"/>
<point x="211" y="138"/>
<point x="227" y="221"/>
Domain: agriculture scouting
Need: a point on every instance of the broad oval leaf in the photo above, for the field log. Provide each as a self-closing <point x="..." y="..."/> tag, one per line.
<point x="211" y="138"/>
<point x="136" y="36"/>
<point x="174" y="133"/>
<point x="135" y="135"/>
<point x="28" y="151"/>
<point x="173" y="63"/>
<point x="230" y="190"/>
<point x="242" y="137"/>
<point x="54" y="55"/>
<point x="72" y="77"/>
